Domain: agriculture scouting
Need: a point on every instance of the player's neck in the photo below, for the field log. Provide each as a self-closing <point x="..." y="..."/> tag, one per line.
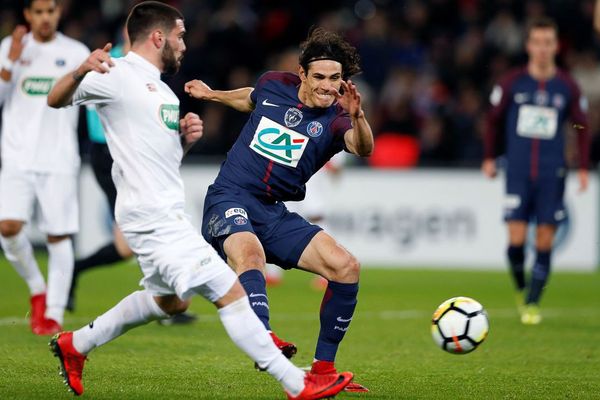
<point x="43" y="39"/>
<point x="147" y="52"/>
<point x="541" y="72"/>
<point x="304" y="97"/>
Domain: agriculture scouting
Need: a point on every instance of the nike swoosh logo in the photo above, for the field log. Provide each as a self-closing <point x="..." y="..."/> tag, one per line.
<point x="266" y="103"/>
<point x="339" y="380"/>
<point x="340" y="319"/>
<point x="257" y="295"/>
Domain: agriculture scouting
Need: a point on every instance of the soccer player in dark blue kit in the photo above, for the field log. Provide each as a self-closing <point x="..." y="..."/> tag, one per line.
<point x="297" y="123"/>
<point x="533" y="103"/>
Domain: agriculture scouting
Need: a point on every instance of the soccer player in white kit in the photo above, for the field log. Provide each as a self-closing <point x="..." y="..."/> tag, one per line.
<point x="40" y="158"/>
<point x="147" y="140"/>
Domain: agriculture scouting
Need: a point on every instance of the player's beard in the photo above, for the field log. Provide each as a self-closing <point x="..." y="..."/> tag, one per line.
<point x="170" y="62"/>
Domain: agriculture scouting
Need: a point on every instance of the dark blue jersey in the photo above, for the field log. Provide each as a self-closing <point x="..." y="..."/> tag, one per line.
<point x="534" y="113"/>
<point x="284" y="141"/>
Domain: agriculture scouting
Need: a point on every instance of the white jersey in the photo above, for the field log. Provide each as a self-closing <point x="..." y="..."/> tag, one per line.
<point x="36" y="137"/>
<point x="140" y="114"/>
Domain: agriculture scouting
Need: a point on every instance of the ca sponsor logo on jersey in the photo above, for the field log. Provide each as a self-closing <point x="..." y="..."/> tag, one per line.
<point x="37" y="86"/>
<point x="236" y="211"/>
<point x="293" y="117"/>
<point x="278" y="143"/>
<point x="314" y="129"/>
<point x="169" y="115"/>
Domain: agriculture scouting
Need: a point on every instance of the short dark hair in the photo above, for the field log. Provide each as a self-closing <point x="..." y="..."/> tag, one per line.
<point x="540" y="23"/>
<point x="325" y="45"/>
<point x="28" y="3"/>
<point x="150" y="15"/>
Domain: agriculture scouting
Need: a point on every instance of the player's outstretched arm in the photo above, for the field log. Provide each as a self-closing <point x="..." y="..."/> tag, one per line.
<point x="359" y="139"/>
<point x="191" y="128"/>
<point x="62" y="93"/>
<point x="238" y="99"/>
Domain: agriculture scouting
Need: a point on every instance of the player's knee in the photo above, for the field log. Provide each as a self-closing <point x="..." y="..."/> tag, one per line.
<point x="172" y="304"/>
<point x="348" y="270"/>
<point x="10" y="228"/>
<point x="248" y="261"/>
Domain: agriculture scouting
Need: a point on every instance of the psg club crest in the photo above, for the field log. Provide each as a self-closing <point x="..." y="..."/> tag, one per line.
<point x="240" y="221"/>
<point x="293" y="117"/>
<point x="314" y="129"/>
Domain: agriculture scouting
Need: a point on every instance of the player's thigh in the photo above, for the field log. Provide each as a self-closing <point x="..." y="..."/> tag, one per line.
<point x="244" y="252"/>
<point x="549" y="201"/>
<point x="58" y="203"/>
<point x="17" y="195"/>
<point x="285" y="236"/>
<point x="175" y="259"/>
<point x="544" y="237"/>
<point x="224" y="219"/>
<point x="326" y="257"/>
<point x="518" y="198"/>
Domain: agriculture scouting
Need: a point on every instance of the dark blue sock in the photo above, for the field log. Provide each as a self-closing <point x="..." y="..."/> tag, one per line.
<point x="516" y="258"/>
<point x="255" y="286"/>
<point x="539" y="276"/>
<point x="337" y="310"/>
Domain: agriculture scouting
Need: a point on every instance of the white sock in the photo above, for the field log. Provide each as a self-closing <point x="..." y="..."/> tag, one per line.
<point x="249" y="334"/>
<point x="19" y="252"/>
<point x="137" y="309"/>
<point x="60" y="274"/>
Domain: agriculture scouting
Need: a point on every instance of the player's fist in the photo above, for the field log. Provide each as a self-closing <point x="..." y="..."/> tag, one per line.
<point x="16" y="44"/>
<point x="191" y="127"/>
<point x="198" y="90"/>
<point x="99" y="60"/>
<point x="488" y="167"/>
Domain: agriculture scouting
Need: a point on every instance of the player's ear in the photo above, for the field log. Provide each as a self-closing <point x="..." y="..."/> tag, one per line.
<point x="301" y="73"/>
<point x="157" y="38"/>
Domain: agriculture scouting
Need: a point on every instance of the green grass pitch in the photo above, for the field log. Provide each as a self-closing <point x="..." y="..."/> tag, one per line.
<point x="388" y="346"/>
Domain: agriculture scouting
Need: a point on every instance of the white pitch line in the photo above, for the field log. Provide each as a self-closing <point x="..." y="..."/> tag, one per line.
<point x="386" y="315"/>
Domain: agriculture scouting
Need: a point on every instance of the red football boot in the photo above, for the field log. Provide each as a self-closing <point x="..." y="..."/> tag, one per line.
<point x="328" y="368"/>
<point x="288" y="349"/>
<point x="71" y="361"/>
<point x="49" y="327"/>
<point x="322" y="386"/>
<point x="36" y="316"/>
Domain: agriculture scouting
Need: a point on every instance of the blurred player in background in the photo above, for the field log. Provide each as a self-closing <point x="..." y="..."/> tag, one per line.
<point x="533" y="103"/>
<point x="147" y="141"/>
<point x="297" y="123"/>
<point x="101" y="162"/>
<point x="40" y="159"/>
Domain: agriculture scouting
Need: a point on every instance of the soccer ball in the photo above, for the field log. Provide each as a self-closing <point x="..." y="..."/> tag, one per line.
<point x="459" y="325"/>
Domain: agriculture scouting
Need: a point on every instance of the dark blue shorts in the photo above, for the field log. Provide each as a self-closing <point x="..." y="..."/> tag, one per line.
<point x="539" y="200"/>
<point x="284" y="235"/>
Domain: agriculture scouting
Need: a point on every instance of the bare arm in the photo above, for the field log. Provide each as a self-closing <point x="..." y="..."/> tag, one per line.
<point x="14" y="53"/>
<point x="238" y="99"/>
<point x="359" y="139"/>
<point x="62" y="93"/>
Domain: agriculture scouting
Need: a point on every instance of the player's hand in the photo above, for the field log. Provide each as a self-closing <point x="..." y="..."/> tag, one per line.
<point x="584" y="180"/>
<point x="198" y="90"/>
<point x="99" y="60"/>
<point x="350" y="100"/>
<point x="488" y="167"/>
<point x="191" y="127"/>
<point x="16" y="45"/>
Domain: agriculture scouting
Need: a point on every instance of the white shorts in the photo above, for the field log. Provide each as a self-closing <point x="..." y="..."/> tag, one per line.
<point x="175" y="259"/>
<point x="55" y="196"/>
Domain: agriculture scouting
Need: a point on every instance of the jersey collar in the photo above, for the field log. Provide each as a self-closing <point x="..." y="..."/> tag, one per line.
<point x="140" y="61"/>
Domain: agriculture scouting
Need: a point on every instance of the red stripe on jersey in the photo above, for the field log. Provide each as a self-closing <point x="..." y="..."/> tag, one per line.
<point x="535" y="145"/>
<point x="265" y="179"/>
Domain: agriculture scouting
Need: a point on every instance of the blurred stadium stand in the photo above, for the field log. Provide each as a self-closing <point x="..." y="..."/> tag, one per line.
<point x="428" y="64"/>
